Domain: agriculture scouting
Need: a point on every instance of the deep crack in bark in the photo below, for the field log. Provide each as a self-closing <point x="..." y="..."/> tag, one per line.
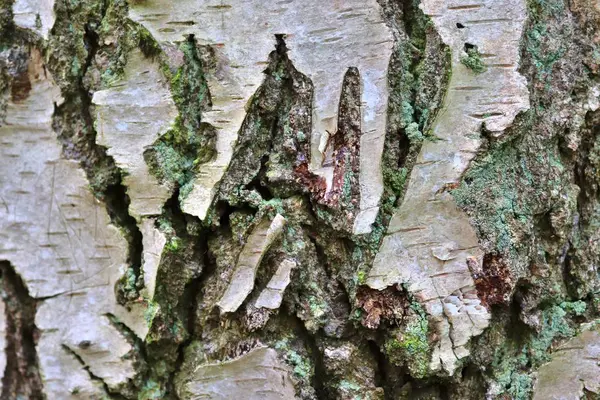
<point x="21" y="377"/>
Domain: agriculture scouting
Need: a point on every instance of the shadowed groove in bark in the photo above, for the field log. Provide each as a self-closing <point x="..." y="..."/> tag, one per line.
<point x="21" y="377"/>
<point x="93" y="377"/>
<point x="104" y="176"/>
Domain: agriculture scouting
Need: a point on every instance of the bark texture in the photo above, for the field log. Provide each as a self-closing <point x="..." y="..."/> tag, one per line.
<point x="382" y="199"/>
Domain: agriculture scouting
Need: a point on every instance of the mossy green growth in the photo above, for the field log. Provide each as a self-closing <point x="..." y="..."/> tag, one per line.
<point x="302" y="367"/>
<point x="491" y="189"/>
<point x="174" y="158"/>
<point x="151" y="391"/>
<point x="351" y="390"/>
<point x="544" y="51"/>
<point x="410" y="346"/>
<point x="512" y="361"/>
<point x="150" y="311"/>
<point x="173" y="244"/>
<point x="395" y="179"/>
<point x="473" y="61"/>
<point x="361" y="277"/>
<point x="554" y="325"/>
<point x="146" y="42"/>
<point x="576" y="307"/>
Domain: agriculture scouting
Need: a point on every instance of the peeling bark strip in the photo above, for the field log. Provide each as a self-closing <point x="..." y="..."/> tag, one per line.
<point x="429" y="238"/>
<point x="60" y="241"/>
<point x="242" y="281"/>
<point x="19" y="361"/>
<point x="272" y="295"/>
<point x="244" y="35"/>
<point x="130" y="116"/>
<point x="257" y="375"/>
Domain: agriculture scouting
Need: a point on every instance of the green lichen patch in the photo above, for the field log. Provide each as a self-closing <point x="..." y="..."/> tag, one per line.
<point x="409" y="345"/>
<point x="541" y="43"/>
<point x="473" y="61"/>
<point x="523" y="349"/>
<point x="176" y="156"/>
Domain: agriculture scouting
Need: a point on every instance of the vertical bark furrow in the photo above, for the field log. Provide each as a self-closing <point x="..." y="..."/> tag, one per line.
<point x="21" y="376"/>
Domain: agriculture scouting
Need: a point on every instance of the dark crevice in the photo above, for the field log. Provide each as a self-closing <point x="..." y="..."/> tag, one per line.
<point x="320" y="375"/>
<point x="116" y="198"/>
<point x="93" y="377"/>
<point x="21" y="377"/>
<point x="403" y="148"/>
<point x="127" y="332"/>
<point x="117" y="204"/>
<point x="104" y="176"/>
<point x="321" y="256"/>
<point x="180" y="278"/>
<point x="256" y="184"/>
<point x="224" y="210"/>
<point x="190" y="299"/>
<point x="381" y="374"/>
<point x="469" y="46"/>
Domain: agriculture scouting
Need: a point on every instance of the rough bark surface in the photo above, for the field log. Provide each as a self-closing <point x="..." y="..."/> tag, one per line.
<point x="382" y="199"/>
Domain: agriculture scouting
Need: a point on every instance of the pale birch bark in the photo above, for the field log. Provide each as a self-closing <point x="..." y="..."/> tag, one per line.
<point x="380" y="199"/>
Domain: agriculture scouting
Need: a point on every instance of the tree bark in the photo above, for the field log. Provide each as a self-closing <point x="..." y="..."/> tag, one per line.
<point x="358" y="199"/>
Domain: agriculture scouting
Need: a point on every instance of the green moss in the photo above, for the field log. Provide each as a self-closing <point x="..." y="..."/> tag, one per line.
<point x="491" y="188"/>
<point x="150" y="311"/>
<point x="395" y="179"/>
<point x="410" y="346"/>
<point x="146" y="42"/>
<point x="473" y="61"/>
<point x="361" y="277"/>
<point x="544" y="51"/>
<point x="575" y="308"/>
<point x="175" y="157"/>
<point x="553" y="326"/>
<point x="318" y="307"/>
<point x="349" y="385"/>
<point x="151" y="391"/>
<point x="272" y="207"/>
<point x="130" y="280"/>
<point x="169" y="164"/>
<point x="302" y="367"/>
<point x="352" y="389"/>
<point x="513" y="360"/>
<point x="173" y="244"/>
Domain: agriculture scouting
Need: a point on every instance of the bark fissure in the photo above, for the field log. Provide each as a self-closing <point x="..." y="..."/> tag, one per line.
<point x="21" y="377"/>
<point x="195" y="150"/>
<point x="93" y="377"/>
<point x="104" y="176"/>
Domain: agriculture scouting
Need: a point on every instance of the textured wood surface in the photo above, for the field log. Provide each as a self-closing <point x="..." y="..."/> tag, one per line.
<point x="324" y="39"/>
<point x="59" y="239"/>
<point x="429" y="239"/>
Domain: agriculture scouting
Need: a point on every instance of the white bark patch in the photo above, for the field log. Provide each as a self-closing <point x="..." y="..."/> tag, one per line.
<point x="257" y="375"/>
<point x="429" y="238"/>
<point x="574" y="366"/>
<point x="130" y="116"/>
<point x="60" y="240"/>
<point x="35" y="15"/>
<point x="242" y="281"/>
<point x="272" y="295"/>
<point x="324" y="39"/>
<point x="153" y="241"/>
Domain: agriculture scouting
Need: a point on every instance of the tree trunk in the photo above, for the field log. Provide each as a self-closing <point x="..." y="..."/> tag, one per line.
<point x="356" y="199"/>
